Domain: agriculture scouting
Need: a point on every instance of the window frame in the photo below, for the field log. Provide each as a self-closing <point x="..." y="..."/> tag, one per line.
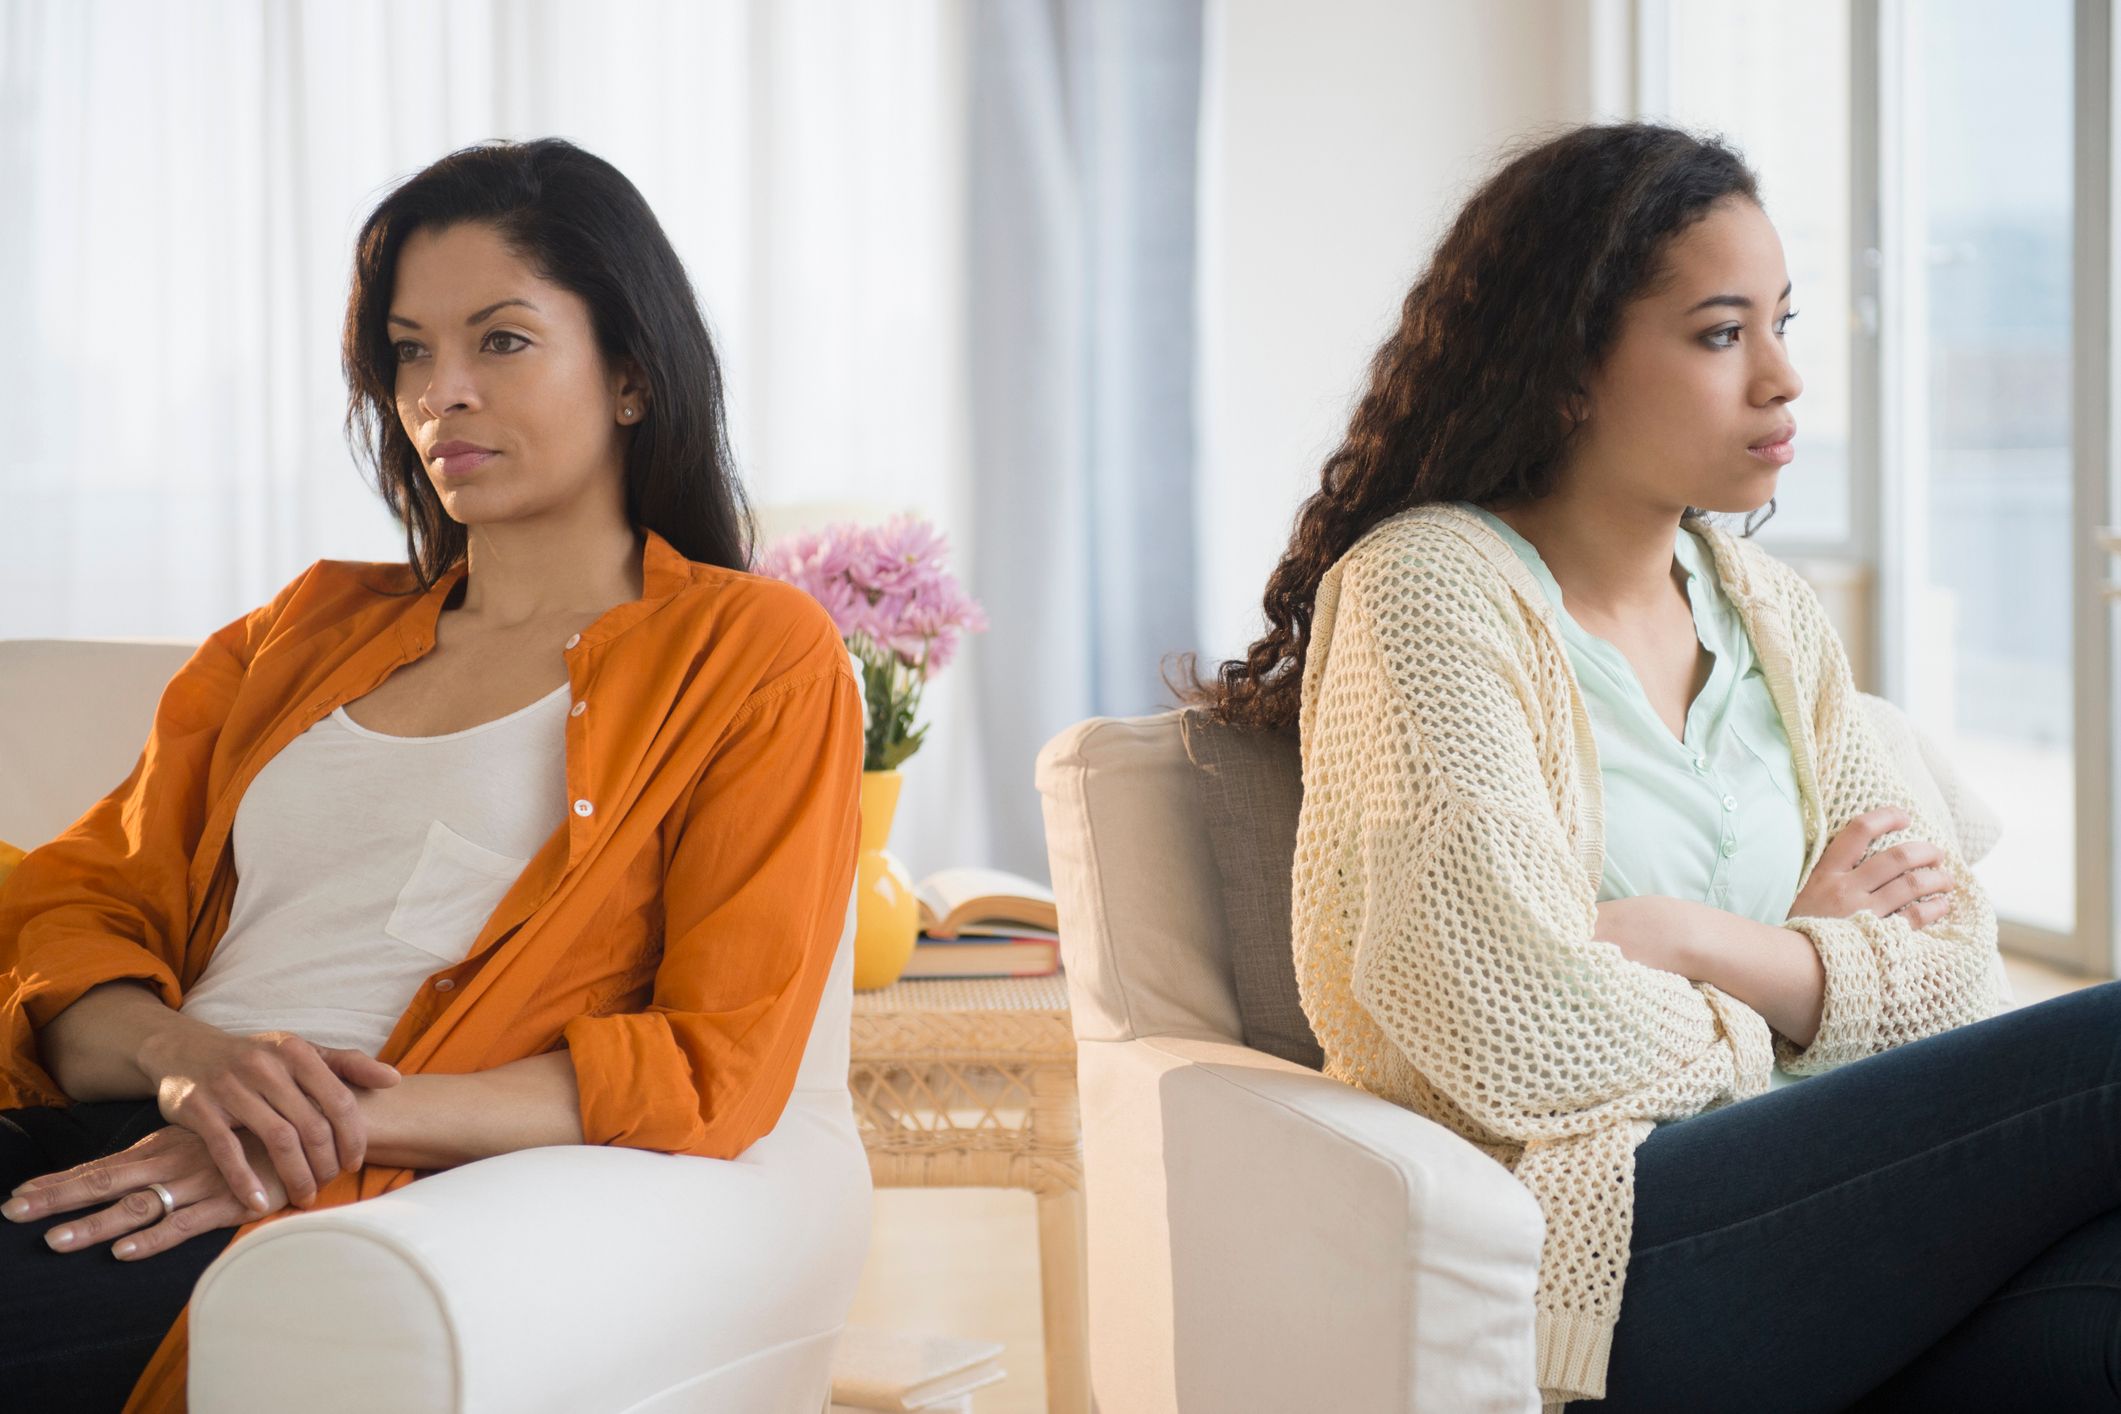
<point x="1888" y="412"/>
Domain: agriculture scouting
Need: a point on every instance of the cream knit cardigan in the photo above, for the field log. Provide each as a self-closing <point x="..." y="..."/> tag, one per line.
<point x="1448" y="857"/>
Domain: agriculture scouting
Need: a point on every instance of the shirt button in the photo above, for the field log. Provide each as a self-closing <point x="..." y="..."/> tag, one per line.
<point x="1701" y="763"/>
<point x="583" y="807"/>
<point x="1730" y="802"/>
<point x="578" y="709"/>
<point x="443" y="984"/>
<point x="571" y="642"/>
<point x="1730" y="847"/>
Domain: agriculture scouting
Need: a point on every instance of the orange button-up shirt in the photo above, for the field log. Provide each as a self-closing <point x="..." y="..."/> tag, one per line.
<point x="674" y="933"/>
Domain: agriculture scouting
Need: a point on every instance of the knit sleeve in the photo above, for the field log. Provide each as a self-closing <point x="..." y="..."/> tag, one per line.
<point x="1887" y="982"/>
<point x="1431" y="836"/>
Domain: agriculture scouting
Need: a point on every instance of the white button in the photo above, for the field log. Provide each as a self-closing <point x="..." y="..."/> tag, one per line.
<point x="583" y="807"/>
<point x="578" y="709"/>
<point x="1701" y="763"/>
<point x="1730" y="847"/>
<point x="1730" y="802"/>
<point x="443" y="984"/>
<point x="577" y="638"/>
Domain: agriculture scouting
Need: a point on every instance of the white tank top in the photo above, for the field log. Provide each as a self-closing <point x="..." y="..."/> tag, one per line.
<point x="365" y="863"/>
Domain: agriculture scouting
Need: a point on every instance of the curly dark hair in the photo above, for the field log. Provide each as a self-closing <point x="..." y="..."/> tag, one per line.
<point x="1518" y="306"/>
<point x="579" y="223"/>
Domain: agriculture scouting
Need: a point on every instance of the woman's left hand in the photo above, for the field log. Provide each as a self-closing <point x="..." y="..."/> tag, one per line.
<point x="173" y="1156"/>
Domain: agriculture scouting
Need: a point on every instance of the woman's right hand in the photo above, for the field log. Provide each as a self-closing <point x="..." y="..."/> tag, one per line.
<point x="292" y="1095"/>
<point x="1898" y="879"/>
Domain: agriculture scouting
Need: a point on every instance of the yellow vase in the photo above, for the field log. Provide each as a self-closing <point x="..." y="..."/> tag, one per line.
<point x="887" y="919"/>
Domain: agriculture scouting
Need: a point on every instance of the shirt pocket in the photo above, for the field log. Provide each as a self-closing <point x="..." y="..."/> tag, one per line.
<point x="453" y="890"/>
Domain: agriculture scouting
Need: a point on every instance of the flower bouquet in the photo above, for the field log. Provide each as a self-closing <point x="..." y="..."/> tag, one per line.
<point x="902" y="613"/>
<point x="897" y="607"/>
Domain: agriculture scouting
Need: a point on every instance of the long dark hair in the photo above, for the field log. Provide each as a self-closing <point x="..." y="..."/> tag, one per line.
<point x="1519" y="304"/>
<point x="577" y="221"/>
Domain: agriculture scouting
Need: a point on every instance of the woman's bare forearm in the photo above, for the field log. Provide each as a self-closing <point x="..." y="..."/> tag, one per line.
<point x="102" y="1048"/>
<point x="93" y="1048"/>
<point x="441" y="1121"/>
<point x="1775" y="971"/>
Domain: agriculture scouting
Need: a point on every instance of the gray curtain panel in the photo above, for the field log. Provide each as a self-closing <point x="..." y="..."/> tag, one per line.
<point x="1084" y="141"/>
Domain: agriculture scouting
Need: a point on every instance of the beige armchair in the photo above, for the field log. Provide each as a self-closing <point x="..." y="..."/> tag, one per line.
<point x="1263" y="1238"/>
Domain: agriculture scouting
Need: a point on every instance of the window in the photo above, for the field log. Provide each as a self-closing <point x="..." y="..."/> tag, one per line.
<point x="1985" y="208"/>
<point x="1773" y="81"/>
<point x="1919" y="163"/>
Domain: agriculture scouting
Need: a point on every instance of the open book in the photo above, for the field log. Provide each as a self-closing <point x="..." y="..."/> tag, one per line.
<point x="990" y="901"/>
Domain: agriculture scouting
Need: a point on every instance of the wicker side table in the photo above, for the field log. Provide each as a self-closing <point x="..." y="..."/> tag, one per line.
<point x="972" y="1085"/>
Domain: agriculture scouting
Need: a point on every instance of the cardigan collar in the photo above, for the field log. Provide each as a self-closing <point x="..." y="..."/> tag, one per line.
<point x="1730" y="567"/>
<point x="1764" y="623"/>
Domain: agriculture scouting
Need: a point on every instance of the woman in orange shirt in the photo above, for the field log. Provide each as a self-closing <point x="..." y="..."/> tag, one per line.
<point x="545" y="836"/>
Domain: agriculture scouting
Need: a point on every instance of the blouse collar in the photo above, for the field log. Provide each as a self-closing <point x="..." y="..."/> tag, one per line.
<point x="663" y="573"/>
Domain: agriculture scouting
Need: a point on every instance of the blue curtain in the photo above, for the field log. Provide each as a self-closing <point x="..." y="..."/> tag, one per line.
<point x="1083" y="164"/>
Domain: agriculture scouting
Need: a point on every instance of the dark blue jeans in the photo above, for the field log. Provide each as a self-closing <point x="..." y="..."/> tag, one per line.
<point x="77" y="1328"/>
<point x="1937" y="1227"/>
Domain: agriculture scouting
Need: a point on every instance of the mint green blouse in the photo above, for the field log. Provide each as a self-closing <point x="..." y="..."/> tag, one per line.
<point x="1713" y="817"/>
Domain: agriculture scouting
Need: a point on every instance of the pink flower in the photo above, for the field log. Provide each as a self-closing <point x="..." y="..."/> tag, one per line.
<point x="886" y="584"/>
<point x="902" y="552"/>
<point x="819" y="563"/>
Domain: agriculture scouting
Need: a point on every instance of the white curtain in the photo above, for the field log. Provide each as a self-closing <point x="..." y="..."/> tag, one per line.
<point x="179" y="189"/>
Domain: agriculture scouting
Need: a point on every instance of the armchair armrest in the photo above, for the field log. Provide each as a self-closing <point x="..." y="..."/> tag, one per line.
<point x="566" y="1278"/>
<point x="1322" y="1248"/>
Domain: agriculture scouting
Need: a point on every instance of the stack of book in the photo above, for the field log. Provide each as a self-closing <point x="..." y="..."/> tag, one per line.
<point x="903" y="1372"/>
<point x="984" y="923"/>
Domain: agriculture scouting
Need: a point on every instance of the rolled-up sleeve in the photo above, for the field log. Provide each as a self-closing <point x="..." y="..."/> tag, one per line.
<point x="109" y="899"/>
<point x="755" y="900"/>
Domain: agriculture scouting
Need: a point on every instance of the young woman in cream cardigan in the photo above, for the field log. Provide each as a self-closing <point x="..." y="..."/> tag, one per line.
<point x="1595" y="833"/>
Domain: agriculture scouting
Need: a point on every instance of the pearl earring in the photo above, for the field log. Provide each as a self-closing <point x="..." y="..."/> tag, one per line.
<point x="627" y="411"/>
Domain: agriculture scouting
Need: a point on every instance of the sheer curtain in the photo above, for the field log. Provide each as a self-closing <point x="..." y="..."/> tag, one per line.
<point x="182" y="185"/>
<point x="945" y="247"/>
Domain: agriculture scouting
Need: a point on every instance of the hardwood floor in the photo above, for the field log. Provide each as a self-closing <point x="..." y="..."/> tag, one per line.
<point x="2036" y="981"/>
<point x="964" y="1261"/>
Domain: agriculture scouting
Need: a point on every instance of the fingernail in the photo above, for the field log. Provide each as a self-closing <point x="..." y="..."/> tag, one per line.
<point x="257" y="1199"/>
<point x="64" y="1237"/>
<point x="16" y="1208"/>
<point x="124" y="1249"/>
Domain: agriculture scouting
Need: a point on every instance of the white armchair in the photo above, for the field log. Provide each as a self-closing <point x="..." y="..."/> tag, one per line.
<point x="570" y="1279"/>
<point x="1261" y="1237"/>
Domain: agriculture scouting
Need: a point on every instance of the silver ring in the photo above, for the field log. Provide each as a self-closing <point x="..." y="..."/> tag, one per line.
<point x="169" y="1201"/>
